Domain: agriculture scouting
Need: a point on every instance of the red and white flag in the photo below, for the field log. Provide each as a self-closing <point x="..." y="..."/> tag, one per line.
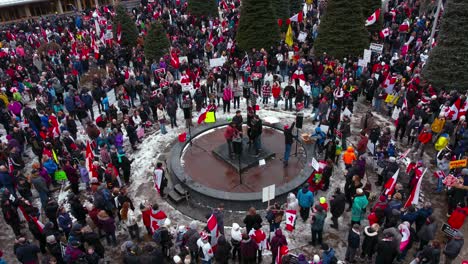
<point x="290" y="219"/>
<point x="202" y="116"/>
<point x="297" y="17"/>
<point x="385" y="32"/>
<point x="119" y="34"/>
<point x="212" y="225"/>
<point x="457" y="110"/>
<point x="405" y="236"/>
<point x="414" y="196"/>
<point x="404" y="27"/>
<point x="40" y="226"/>
<point x="158" y="176"/>
<point x="389" y="83"/>
<point x="390" y="184"/>
<point x="175" y="60"/>
<point x="282" y="250"/>
<point x="439" y="174"/>
<point x="373" y="18"/>
<point x="89" y="156"/>
<point x="157" y="218"/>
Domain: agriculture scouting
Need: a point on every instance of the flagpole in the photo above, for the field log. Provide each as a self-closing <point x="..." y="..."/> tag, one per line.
<point x="434" y="26"/>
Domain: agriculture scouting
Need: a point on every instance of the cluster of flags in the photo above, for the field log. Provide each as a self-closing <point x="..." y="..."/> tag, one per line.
<point x="389" y="188"/>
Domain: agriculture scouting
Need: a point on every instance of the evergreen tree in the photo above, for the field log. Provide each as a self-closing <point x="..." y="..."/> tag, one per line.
<point x="258" y="28"/>
<point x="340" y="33"/>
<point x="448" y="61"/>
<point x="295" y="6"/>
<point x="128" y="27"/>
<point x="156" y="43"/>
<point x="281" y="11"/>
<point x="200" y="8"/>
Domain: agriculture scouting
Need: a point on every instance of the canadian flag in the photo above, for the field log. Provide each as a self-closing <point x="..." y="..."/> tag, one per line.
<point x="212" y="225"/>
<point x="298" y="74"/>
<point x="175" y="60"/>
<point x="385" y="32"/>
<point x="297" y="17"/>
<point x="390" y="184"/>
<point x="414" y="196"/>
<point x="373" y="18"/>
<point x="439" y="174"/>
<point x="282" y="251"/>
<point x="389" y="83"/>
<point x="405" y="236"/>
<point x="404" y="27"/>
<point x="457" y="110"/>
<point x="202" y="116"/>
<point x="157" y="218"/>
<point x="290" y="219"/>
<point x="260" y="238"/>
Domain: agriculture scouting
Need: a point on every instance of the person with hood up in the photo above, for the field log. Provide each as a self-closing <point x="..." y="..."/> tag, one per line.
<point x="428" y="231"/>
<point x="306" y="200"/>
<point x="349" y="157"/>
<point x="453" y="247"/>
<point x="369" y="244"/>
<point x="223" y="250"/>
<point x="205" y="248"/>
<point x="318" y="221"/>
<point x="337" y="207"/>
<point x="328" y="254"/>
<point x="236" y="238"/>
<point x="277" y="242"/>
<point x="358" y="209"/>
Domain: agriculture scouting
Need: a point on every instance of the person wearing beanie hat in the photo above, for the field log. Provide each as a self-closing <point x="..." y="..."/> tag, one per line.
<point x="323" y="203"/>
<point x="316" y="259"/>
<point x="358" y="208"/>
<point x="205" y="250"/>
<point x="177" y="259"/>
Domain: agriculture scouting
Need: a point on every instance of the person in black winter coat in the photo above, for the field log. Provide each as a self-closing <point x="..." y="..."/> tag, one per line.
<point x="54" y="249"/>
<point x="369" y="244"/>
<point x="354" y="240"/>
<point x="26" y="252"/>
<point x="337" y="206"/>
<point x="386" y="251"/>
<point x="288" y="141"/>
<point x="222" y="251"/>
<point x="77" y="210"/>
<point x="251" y="219"/>
<point x="93" y="240"/>
<point x="51" y="211"/>
<point x="131" y="133"/>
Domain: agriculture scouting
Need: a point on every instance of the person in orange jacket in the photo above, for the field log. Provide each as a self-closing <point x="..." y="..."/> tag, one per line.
<point x="348" y="157"/>
<point x="424" y="137"/>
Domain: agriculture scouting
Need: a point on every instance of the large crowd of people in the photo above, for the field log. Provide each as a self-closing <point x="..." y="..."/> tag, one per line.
<point x="62" y="128"/>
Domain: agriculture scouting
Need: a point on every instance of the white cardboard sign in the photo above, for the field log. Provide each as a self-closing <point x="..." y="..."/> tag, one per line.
<point x="268" y="193"/>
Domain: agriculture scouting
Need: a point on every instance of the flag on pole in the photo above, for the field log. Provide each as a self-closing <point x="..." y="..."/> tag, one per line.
<point x="290" y="219"/>
<point x="157" y="218"/>
<point x="297" y="17"/>
<point x="457" y="110"/>
<point x="212" y="225"/>
<point x="289" y="36"/>
<point x="414" y="196"/>
<point x="373" y="18"/>
<point x="385" y="32"/>
<point x="390" y="184"/>
<point x="439" y="174"/>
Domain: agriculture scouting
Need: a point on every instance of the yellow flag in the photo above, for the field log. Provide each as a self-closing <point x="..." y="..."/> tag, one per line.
<point x="289" y="36"/>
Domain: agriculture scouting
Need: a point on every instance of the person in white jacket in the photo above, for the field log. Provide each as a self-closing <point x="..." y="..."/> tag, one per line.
<point x="236" y="238"/>
<point x="206" y="254"/>
<point x="129" y="219"/>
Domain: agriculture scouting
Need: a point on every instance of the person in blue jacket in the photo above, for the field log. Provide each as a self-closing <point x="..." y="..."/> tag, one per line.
<point x="306" y="200"/>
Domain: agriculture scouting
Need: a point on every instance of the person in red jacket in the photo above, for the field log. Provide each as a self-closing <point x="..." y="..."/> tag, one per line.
<point x="145" y="215"/>
<point x="424" y="138"/>
<point x="362" y="144"/>
<point x="230" y="133"/>
<point x="276" y="92"/>
<point x="457" y="218"/>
